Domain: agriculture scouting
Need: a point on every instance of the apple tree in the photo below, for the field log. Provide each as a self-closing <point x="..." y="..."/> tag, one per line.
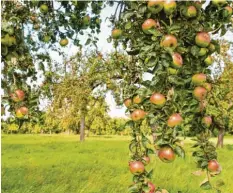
<point x="171" y="41"/>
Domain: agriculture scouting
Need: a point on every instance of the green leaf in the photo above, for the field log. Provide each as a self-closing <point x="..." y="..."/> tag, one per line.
<point x="128" y="25"/>
<point x="205" y="185"/>
<point x="180" y="151"/>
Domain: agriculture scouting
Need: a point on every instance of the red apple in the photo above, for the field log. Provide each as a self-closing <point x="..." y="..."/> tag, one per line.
<point x="207" y="86"/>
<point x="137" y="99"/>
<point x="18" y="95"/>
<point x="202" y="39"/>
<point x="207" y="121"/>
<point x="174" y="120"/>
<point x="116" y="33"/>
<point x="155" y="6"/>
<point x="127" y="102"/>
<point x="152" y="187"/>
<point x="138" y="114"/>
<point x="198" y="79"/>
<point x="146" y="159"/>
<point x="177" y="60"/>
<point x="169" y="41"/>
<point x="200" y="93"/>
<point x="191" y="12"/>
<point x="136" y="167"/>
<point x="166" y="154"/>
<point x="21" y="112"/>
<point x="158" y="99"/>
<point x="148" y="24"/>
<point x="214" y="166"/>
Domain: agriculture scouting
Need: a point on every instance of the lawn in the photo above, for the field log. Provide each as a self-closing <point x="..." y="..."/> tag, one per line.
<point x="60" y="164"/>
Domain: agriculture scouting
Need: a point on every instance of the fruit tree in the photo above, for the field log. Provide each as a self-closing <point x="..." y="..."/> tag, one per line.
<point x="172" y="42"/>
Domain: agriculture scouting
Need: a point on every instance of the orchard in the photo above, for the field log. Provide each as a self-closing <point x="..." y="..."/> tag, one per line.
<point x="171" y="42"/>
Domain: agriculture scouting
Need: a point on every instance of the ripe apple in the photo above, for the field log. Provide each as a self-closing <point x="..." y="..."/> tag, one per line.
<point x="191" y="12"/>
<point x="169" y="41"/>
<point x="209" y="60"/>
<point x="207" y="121"/>
<point x="137" y="99"/>
<point x="152" y="187"/>
<point x="214" y="166"/>
<point x="227" y="11"/>
<point x="177" y="60"/>
<point x="158" y="99"/>
<point x="148" y="24"/>
<point x="21" y="112"/>
<point x="138" y="114"/>
<point x="146" y="159"/>
<point x="44" y="8"/>
<point x="155" y="6"/>
<point x="174" y="120"/>
<point x="136" y="167"/>
<point x="166" y="154"/>
<point x="64" y="42"/>
<point x="127" y="102"/>
<point x="202" y="39"/>
<point x="18" y="95"/>
<point x="169" y="6"/>
<point x="116" y="33"/>
<point x="203" y="51"/>
<point x="207" y="86"/>
<point x="86" y="20"/>
<point x="200" y="93"/>
<point x="219" y="2"/>
<point x="198" y="79"/>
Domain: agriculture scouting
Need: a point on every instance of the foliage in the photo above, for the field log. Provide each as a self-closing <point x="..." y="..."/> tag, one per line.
<point x="168" y="77"/>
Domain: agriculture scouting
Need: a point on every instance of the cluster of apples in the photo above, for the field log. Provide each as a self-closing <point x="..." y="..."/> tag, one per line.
<point x="19" y="96"/>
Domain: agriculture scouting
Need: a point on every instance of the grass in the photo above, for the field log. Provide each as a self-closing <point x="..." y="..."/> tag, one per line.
<point x="60" y="164"/>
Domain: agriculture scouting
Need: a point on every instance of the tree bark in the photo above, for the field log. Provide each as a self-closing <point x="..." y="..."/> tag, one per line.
<point x="221" y="133"/>
<point x="82" y="128"/>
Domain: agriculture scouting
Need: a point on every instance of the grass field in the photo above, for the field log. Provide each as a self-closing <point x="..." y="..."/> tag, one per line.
<point x="60" y="164"/>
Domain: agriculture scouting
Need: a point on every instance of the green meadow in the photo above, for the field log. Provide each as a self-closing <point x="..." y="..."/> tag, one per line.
<point x="61" y="164"/>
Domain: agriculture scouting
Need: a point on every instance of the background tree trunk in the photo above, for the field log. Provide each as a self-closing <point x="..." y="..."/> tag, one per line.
<point x="82" y="128"/>
<point x="221" y="133"/>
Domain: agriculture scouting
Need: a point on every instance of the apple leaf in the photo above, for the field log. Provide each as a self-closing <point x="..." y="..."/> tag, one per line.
<point x="205" y="185"/>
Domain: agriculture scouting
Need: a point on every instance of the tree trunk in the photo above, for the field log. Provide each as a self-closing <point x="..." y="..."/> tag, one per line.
<point x="221" y="133"/>
<point x="82" y="128"/>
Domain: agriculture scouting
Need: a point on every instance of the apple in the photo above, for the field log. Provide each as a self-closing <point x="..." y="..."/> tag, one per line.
<point x="155" y="6"/>
<point x="172" y="71"/>
<point x="152" y="187"/>
<point x="200" y="93"/>
<point x="198" y="79"/>
<point x="211" y="47"/>
<point x="169" y="6"/>
<point x="209" y="60"/>
<point x="148" y="24"/>
<point x="166" y="154"/>
<point x="207" y="121"/>
<point x="214" y="166"/>
<point x="136" y="167"/>
<point x="44" y="8"/>
<point x="21" y="112"/>
<point x="191" y="12"/>
<point x="138" y="114"/>
<point x="202" y="39"/>
<point x="219" y="2"/>
<point x="203" y="51"/>
<point x="64" y="42"/>
<point x="207" y="86"/>
<point x="137" y="99"/>
<point x="174" y="120"/>
<point x="127" y="102"/>
<point x="116" y="33"/>
<point x="86" y="20"/>
<point x="177" y="60"/>
<point x="18" y="95"/>
<point x="146" y="159"/>
<point x="46" y="38"/>
<point x="158" y="99"/>
<point x="227" y="11"/>
<point x="169" y="41"/>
